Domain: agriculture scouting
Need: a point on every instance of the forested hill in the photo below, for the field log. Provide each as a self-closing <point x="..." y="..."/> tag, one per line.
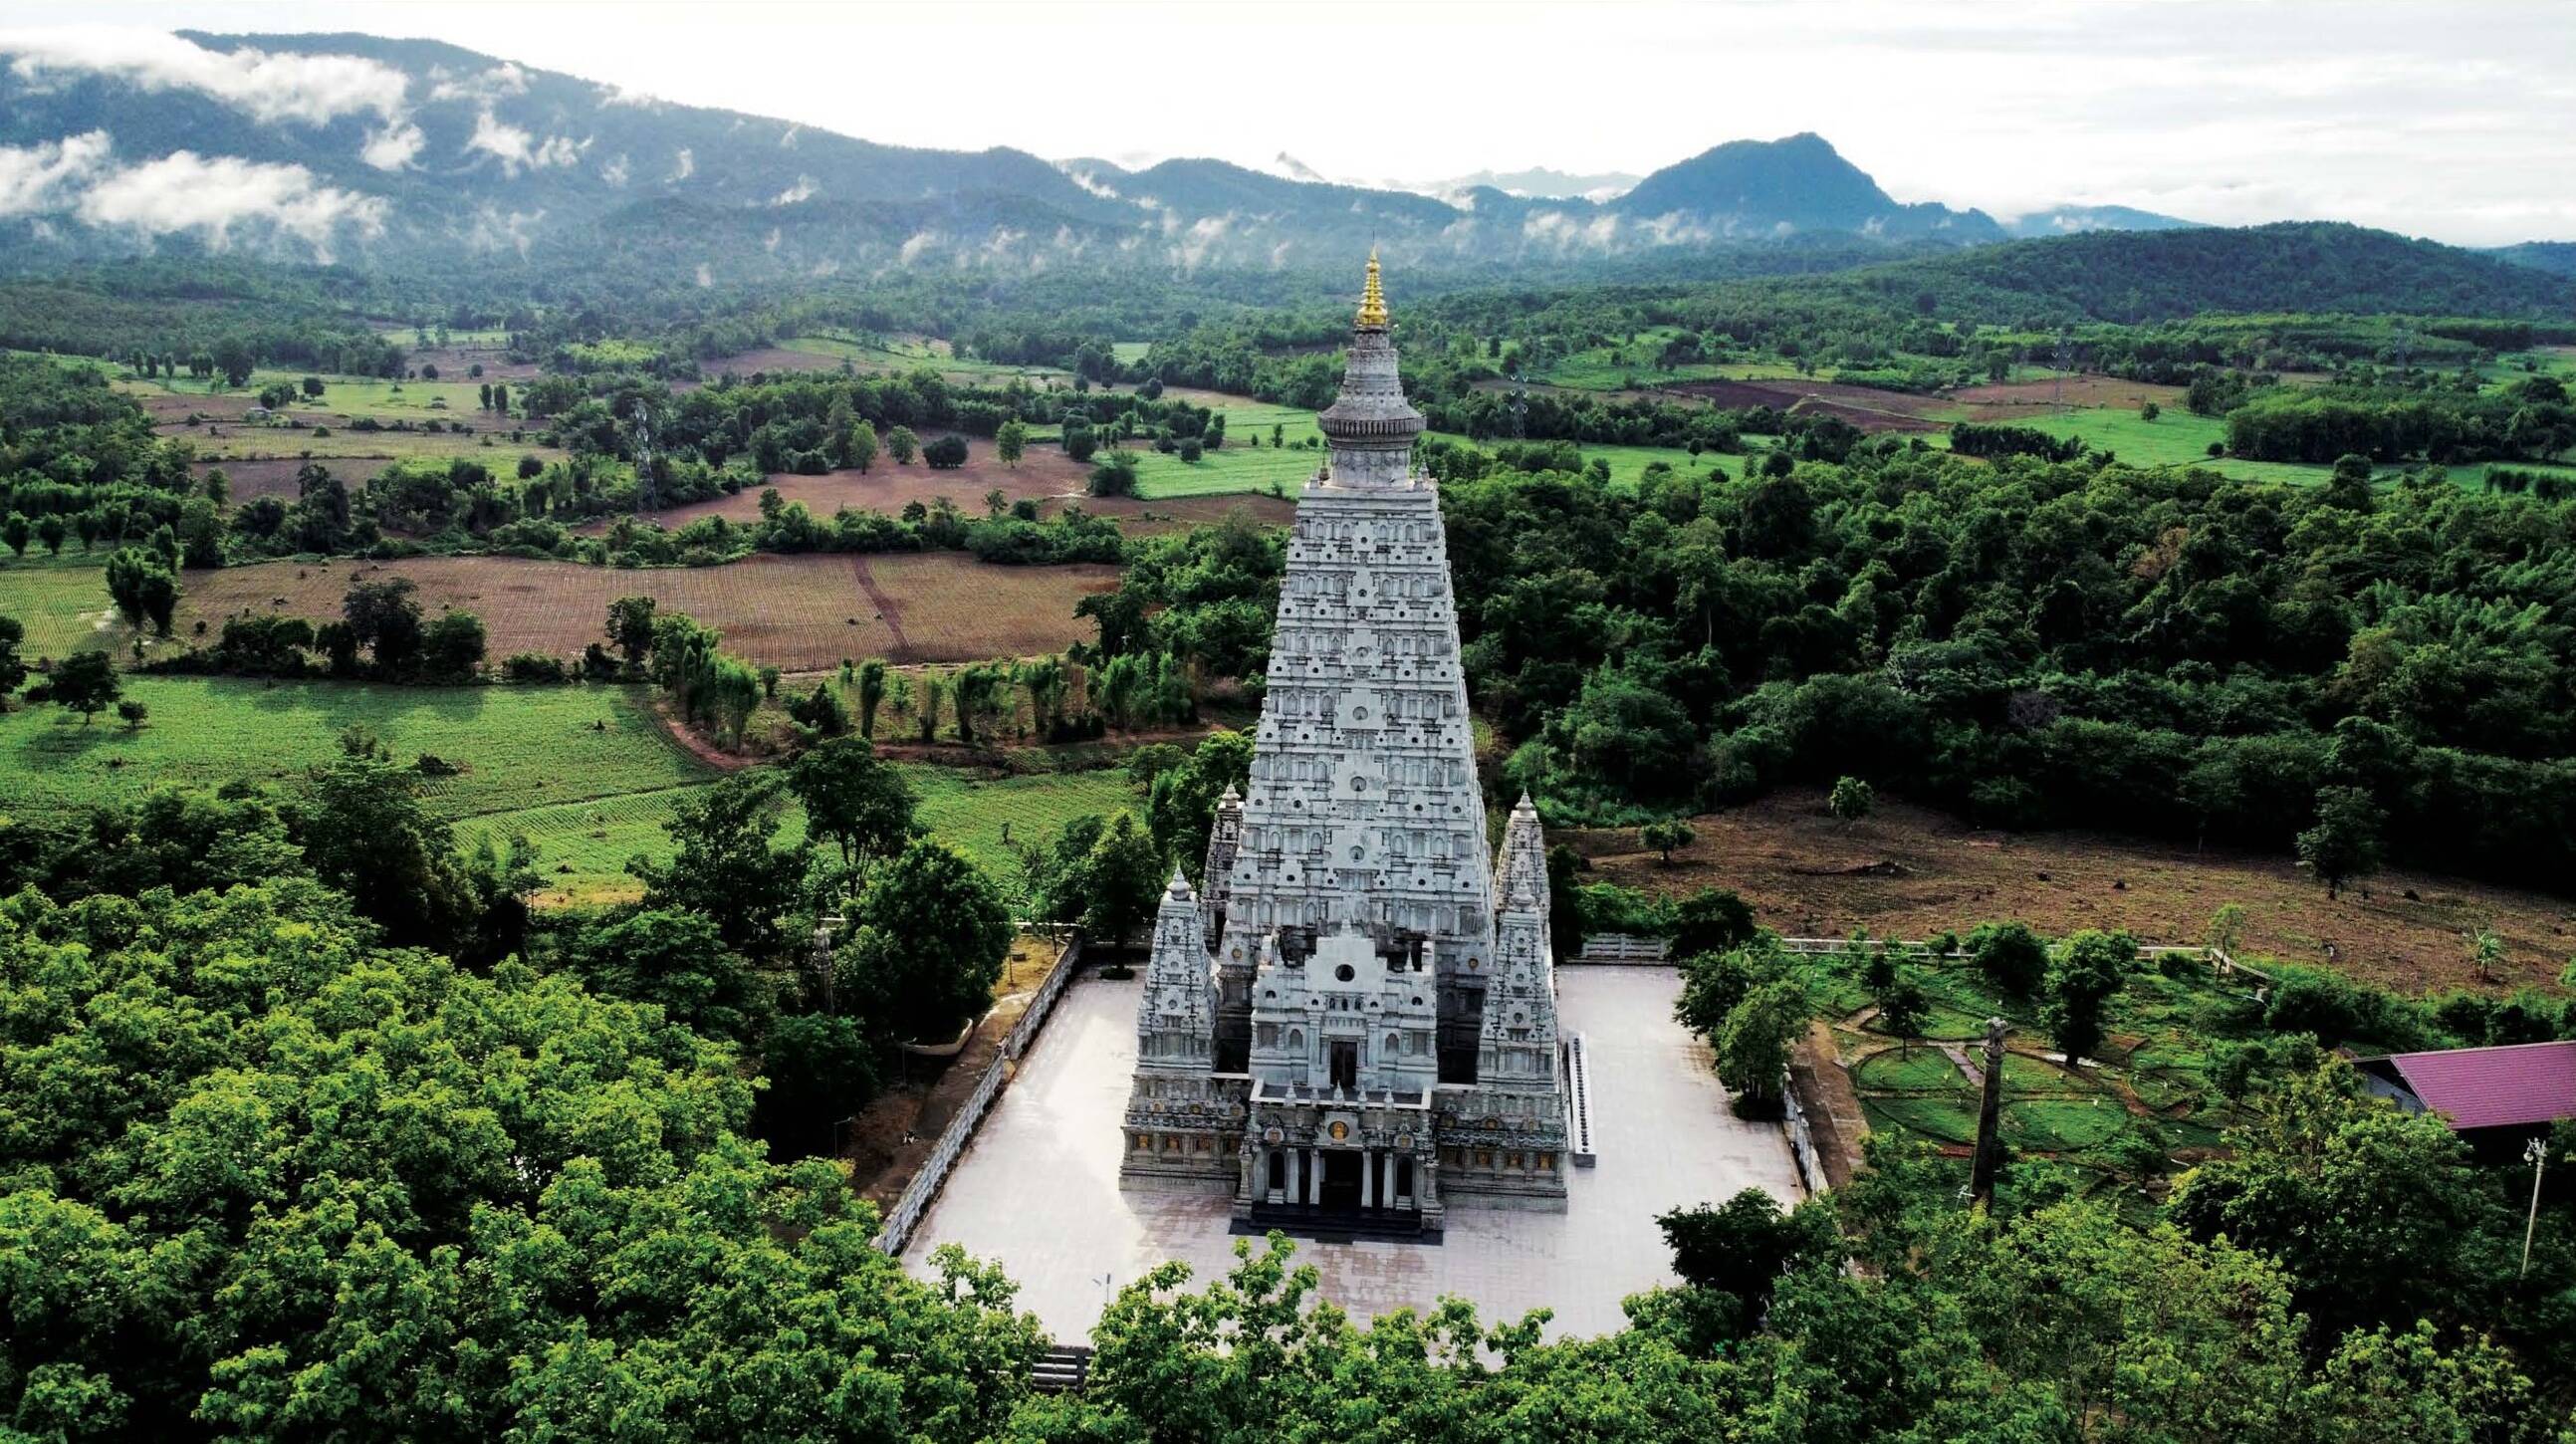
<point x="2314" y="266"/>
<point x="415" y="157"/>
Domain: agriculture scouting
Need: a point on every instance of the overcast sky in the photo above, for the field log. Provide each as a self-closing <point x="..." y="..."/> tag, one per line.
<point x="2455" y="120"/>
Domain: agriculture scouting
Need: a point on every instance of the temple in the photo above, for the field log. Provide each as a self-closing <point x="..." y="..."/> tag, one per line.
<point x="1352" y="1022"/>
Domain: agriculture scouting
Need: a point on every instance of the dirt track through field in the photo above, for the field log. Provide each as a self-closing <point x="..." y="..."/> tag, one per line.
<point x="889" y="611"/>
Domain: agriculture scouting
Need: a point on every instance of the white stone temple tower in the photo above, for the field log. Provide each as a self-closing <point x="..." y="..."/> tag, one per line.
<point x="1384" y="1029"/>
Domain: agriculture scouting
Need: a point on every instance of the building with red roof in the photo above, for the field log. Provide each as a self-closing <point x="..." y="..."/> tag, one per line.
<point x="2493" y="1097"/>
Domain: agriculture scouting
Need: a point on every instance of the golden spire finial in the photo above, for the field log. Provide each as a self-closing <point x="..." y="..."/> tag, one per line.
<point x="1372" y="301"/>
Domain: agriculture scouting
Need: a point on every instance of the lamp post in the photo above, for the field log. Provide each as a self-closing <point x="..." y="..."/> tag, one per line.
<point x="2535" y="1153"/>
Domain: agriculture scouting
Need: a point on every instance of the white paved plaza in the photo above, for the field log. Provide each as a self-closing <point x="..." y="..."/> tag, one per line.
<point x="1038" y="1191"/>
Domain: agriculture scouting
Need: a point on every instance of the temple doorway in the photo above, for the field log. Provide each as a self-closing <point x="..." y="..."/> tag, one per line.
<point x="1346" y="1066"/>
<point x="1341" y="1190"/>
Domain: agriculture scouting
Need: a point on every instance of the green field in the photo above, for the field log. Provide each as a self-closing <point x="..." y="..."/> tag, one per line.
<point x="911" y="353"/>
<point x="346" y="396"/>
<point x="2180" y="438"/>
<point x="62" y="602"/>
<point x="1616" y="367"/>
<point x="587" y="773"/>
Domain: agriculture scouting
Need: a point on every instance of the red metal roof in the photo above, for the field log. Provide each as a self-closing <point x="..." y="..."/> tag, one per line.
<point x="2520" y="1083"/>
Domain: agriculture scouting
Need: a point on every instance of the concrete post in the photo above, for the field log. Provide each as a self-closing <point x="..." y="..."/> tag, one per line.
<point x="1314" y="1177"/>
<point x="1295" y="1177"/>
<point x="1368" y="1179"/>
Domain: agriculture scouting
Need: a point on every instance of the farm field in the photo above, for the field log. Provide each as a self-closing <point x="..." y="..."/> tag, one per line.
<point x="908" y="353"/>
<point x="63" y="603"/>
<point x="1044" y="472"/>
<point x="588" y="773"/>
<point x="1595" y="369"/>
<point x="518" y="746"/>
<point x="2177" y="438"/>
<point x="800" y="613"/>
<point x="1910" y="872"/>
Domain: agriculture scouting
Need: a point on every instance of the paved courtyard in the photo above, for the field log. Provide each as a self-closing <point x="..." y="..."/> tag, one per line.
<point x="1038" y="1191"/>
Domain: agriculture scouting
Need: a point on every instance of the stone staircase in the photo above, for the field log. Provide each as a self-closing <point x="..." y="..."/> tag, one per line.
<point x="1062" y="1369"/>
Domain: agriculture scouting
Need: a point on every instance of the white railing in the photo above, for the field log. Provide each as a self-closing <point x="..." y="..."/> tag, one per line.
<point x="895" y="1230"/>
<point x="1623" y="948"/>
<point x="1802" y="1140"/>
<point x="1578" y="1077"/>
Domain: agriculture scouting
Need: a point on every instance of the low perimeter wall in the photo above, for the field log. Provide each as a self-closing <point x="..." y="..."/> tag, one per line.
<point x="895" y="1230"/>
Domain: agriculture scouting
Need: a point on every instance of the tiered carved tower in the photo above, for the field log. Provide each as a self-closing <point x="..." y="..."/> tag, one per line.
<point x="1383" y="1025"/>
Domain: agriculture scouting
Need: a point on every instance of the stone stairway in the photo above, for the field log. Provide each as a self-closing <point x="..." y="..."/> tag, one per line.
<point x="1062" y="1369"/>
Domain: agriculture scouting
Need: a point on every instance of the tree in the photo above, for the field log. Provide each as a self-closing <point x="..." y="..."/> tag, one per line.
<point x="433" y="1201"/>
<point x="51" y="531"/>
<point x="902" y="445"/>
<point x="1709" y="920"/>
<point x="2089" y="969"/>
<point x="930" y="941"/>
<point x="385" y="618"/>
<point x="1743" y="1248"/>
<point x="946" y="454"/>
<point x="1753" y="1048"/>
<point x="1114" y="475"/>
<point x="451" y="648"/>
<point x="143" y="588"/>
<point x="2486" y="949"/>
<point x="2340" y="1187"/>
<point x="1851" y="799"/>
<point x="853" y="798"/>
<point x="1665" y="837"/>
<point x="1119" y="882"/>
<point x="676" y="961"/>
<point x="132" y="713"/>
<point x="860" y="447"/>
<point x="86" y="682"/>
<point x="872" y="691"/>
<point x="366" y="832"/>
<point x="1010" y="442"/>
<point x="1181" y="800"/>
<point x="2013" y="958"/>
<point x="17" y="533"/>
<point x="2344" y="843"/>
<point x="630" y="628"/>
<point x="13" y="664"/>
<point x="724" y="865"/>
<point x="821" y="1070"/>
<point x="1903" y="1009"/>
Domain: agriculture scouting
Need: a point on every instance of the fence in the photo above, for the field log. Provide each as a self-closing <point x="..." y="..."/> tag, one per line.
<point x="1578" y="1078"/>
<point x="896" y="1229"/>
<point x="1623" y="948"/>
<point x="1802" y="1140"/>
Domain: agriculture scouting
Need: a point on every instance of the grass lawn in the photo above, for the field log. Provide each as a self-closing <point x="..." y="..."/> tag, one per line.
<point x="1617" y="367"/>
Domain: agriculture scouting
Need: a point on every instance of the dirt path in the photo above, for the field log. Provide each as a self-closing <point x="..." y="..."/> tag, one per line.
<point x="1832" y="1106"/>
<point x="888" y="611"/>
<point x="697" y="746"/>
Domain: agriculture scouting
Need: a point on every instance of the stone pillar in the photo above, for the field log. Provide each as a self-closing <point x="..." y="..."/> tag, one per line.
<point x="1387" y="1192"/>
<point x="1295" y="1156"/>
<point x="1314" y="1178"/>
<point x="1368" y="1179"/>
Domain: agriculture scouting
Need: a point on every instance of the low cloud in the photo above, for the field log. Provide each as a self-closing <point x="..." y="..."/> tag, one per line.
<point x="684" y="165"/>
<point x="912" y="248"/>
<point x="313" y="89"/>
<point x="803" y="190"/>
<point x="219" y="195"/>
<point x="43" y="177"/>
<point x="500" y="82"/>
<point x="519" y="150"/>
<point x="393" y="147"/>
<point x="706" y="275"/>
<point x="1093" y="184"/>
<point x="615" y="172"/>
<point x="497" y="230"/>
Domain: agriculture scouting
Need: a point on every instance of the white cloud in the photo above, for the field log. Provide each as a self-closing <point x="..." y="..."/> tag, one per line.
<point x="314" y="89"/>
<point x="615" y="172"/>
<point x="803" y="190"/>
<point x="40" y="177"/>
<point x="771" y="245"/>
<point x="500" y="82"/>
<point x="787" y="139"/>
<point x="706" y="275"/>
<point x="517" y="149"/>
<point x="184" y="191"/>
<point x="497" y="230"/>
<point x="619" y="95"/>
<point x="1091" y="183"/>
<point x="393" y="147"/>
<point x="684" y="165"/>
<point x="912" y="248"/>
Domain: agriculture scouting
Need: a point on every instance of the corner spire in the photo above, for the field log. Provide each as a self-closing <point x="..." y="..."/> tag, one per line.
<point x="1372" y="315"/>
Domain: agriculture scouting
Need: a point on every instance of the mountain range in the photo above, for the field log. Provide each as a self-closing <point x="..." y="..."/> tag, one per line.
<point x="397" y="154"/>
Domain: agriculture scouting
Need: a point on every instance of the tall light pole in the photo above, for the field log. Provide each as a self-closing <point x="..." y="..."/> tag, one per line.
<point x="2535" y="1153"/>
